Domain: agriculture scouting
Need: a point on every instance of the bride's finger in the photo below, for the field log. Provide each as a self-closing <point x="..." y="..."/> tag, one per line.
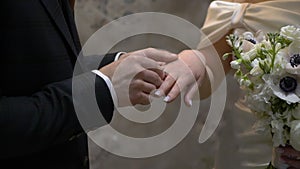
<point x="174" y="92"/>
<point x="166" y="86"/>
<point x="190" y="94"/>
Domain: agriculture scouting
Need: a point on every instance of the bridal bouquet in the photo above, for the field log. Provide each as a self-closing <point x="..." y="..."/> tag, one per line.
<point x="268" y="69"/>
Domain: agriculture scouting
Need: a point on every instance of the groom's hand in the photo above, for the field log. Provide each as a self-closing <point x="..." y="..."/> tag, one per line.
<point x="290" y="156"/>
<point x="135" y="75"/>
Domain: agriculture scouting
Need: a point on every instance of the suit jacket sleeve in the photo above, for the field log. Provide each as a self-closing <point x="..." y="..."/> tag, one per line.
<point x="31" y="123"/>
<point x="37" y="119"/>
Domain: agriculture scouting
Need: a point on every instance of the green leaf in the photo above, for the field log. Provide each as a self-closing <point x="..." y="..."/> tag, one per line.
<point x="226" y="56"/>
<point x="251" y="87"/>
<point x="240" y="44"/>
<point x="264" y="67"/>
<point x="238" y="73"/>
<point x="280" y="106"/>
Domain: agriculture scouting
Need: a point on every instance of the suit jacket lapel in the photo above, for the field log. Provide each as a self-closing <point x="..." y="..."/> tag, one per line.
<point x="71" y="21"/>
<point x="55" y="11"/>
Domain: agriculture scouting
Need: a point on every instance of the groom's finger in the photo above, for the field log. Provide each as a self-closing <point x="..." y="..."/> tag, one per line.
<point x="160" y="73"/>
<point x="290" y="152"/>
<point x="144" y="99"/>
<point x="292" y="163"/>
<point x="159" y="55"/>
<point x="147" y="63"/>
<point x="138" y="92"/>
<point x="151" y="77"/>
<point x="148" y="88"/>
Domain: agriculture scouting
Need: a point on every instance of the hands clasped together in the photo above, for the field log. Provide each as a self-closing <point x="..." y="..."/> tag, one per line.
<point x="137" y="75"/>
<point x="288" y="156"/>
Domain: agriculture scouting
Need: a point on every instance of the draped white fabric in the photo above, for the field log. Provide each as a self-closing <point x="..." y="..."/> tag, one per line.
<point x="269" y="16"/>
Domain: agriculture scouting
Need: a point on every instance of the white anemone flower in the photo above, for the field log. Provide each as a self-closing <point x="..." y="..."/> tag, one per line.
<point x="274" y="83"/>
<point x="292" y="70"/>
<point x="293" y="64"/>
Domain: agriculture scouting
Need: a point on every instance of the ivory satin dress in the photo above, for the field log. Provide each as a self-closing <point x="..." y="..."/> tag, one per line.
<point x="239" y="146"/>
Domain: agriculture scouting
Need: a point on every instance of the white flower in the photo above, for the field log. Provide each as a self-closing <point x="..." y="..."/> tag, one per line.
<point x="278" y="46"/>
<point x="236" y="43"/>
<point x="245" y="56"/>
<point x="278" y="132"/>
<point x="235" y="64"/>
<point x="294" y="48"/>
<point x="256" y="70"/>
<point x="296" y="113"/>
<point x="266" y="43"/>
<point x="228" y="42"/>
<point x="273" y="83"/>
<point x="292" y="70"/>
<point x="245" y="82"/>
<point x="295" y="134"/>
<point x="250" y="41"/>
<point x="255" y="62"/>
<point x="280" y="62"/>
<point x="291" y="32"/>
<point x="281" y="58"/>
<point x="248" y="35"/>
<point x="249" y="52"/>
<point x="259" y="101"/>
<point x="257" y="38"/>
<point x="292" y="66"/>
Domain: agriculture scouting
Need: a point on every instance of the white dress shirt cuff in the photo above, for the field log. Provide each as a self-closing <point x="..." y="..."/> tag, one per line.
<point x="118" y="55"/>
<point x="109" y="85"/>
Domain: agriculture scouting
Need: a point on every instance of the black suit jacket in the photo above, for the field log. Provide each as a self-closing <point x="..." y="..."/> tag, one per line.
<point x="38" y="125"/>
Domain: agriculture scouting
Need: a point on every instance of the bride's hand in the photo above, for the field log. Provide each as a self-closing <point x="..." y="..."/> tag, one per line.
<point x="188" y="71"/>
<point x="290" y="156"/>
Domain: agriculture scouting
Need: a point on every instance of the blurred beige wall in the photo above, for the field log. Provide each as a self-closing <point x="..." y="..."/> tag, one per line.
<point x="93" y="14"/>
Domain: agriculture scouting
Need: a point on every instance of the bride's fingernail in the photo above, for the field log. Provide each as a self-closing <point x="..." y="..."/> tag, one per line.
<point x="190" y="103"/>
<point x="157" y="93"/>
<point x="167" y="99"/>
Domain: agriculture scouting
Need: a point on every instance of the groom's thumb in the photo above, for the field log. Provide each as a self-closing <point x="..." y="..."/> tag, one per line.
<point x="160" y="55"/>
